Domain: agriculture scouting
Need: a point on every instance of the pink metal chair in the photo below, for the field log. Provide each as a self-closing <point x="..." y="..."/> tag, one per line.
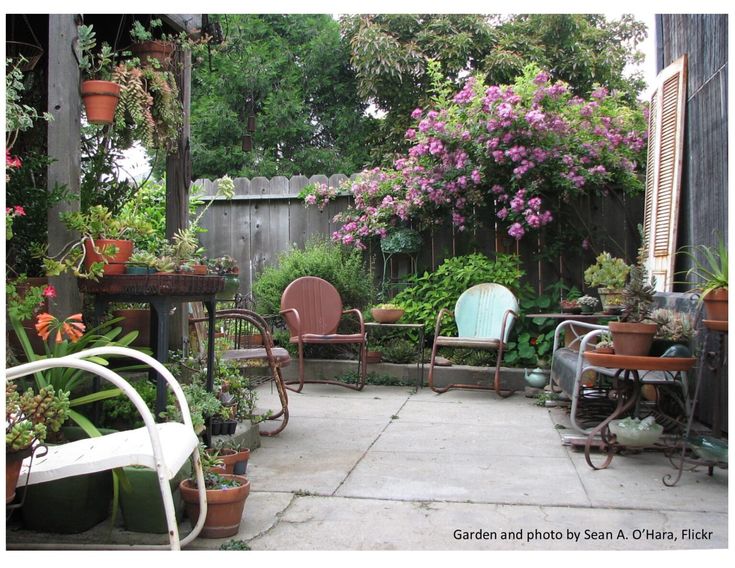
<point x="312" y="308"/>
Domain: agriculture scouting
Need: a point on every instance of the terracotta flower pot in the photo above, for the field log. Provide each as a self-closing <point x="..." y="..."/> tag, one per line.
<point x="13" y="463"/>
<point x="136" y="320"/>
<point x="116" y="264"/>
<point x="715" y="303"/>
<point x="157" y="49"/>
<point x="386" y="316"/>
<point x="231" y="458"/>
<point x="374" y="357"/>
<point x="199" y="269"/>
<point x="100" y="100"/>
<point x="632" y="338"/>
<point x="224" y="507"/>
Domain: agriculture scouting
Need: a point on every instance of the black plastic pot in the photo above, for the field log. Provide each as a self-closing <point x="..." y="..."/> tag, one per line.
<point x="216" y="427"/>
<point x="229" y="427"/>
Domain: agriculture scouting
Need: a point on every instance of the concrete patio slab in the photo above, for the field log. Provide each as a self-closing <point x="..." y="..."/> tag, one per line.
<point x="393" y="469"/>
<point x="333" y="523"/>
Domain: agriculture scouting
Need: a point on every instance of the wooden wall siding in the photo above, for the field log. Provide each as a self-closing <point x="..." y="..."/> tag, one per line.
<point x="266" y="218"/>
<point x="703" y="37"/>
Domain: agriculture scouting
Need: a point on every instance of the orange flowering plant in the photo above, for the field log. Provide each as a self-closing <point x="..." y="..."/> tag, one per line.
<point x="63" y="337"/>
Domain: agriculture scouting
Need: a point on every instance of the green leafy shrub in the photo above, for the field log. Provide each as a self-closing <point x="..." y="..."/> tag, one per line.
<point x="399" y="351"/>
<point x="341" y="266"/>
<point x="429" y="293"/>
<point x="120" y="412"/>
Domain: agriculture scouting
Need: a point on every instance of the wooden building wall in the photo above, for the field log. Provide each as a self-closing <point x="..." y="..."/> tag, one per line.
<point x="704" y="200"/>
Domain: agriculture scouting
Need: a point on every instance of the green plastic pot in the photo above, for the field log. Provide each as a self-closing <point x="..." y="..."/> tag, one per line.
<point x="141" y="502"/>
<point x="71" y="505"/>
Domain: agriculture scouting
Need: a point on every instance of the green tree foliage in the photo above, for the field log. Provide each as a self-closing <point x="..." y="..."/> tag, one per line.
<point x="309" y="117"/>
<point x="391" y="52"/>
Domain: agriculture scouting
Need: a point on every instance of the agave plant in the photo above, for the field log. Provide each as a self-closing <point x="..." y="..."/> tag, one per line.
<point x="709" y="266"/>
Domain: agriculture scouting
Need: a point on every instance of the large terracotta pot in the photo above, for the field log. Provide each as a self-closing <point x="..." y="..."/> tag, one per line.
<point x="224" y="507"/>
<point x="715" y="304"/>
<point x="136" y="320"/>
<point x="382" y="315"/>
<point x="632" y="338"/>
<point x="116" y="264"/>
<point x="100" y="100"/>
<point x="157" y="49"/>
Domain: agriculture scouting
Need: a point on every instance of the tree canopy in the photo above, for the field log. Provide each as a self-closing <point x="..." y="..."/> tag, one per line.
<point x="292" y="73"/>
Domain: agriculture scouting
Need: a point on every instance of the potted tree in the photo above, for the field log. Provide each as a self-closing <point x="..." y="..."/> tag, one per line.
<point x="633" y="334"/>
<point x="710" y="268"/>
<point x="29" y="419"/>
<point x="99" y="94"/>
<point x="226" y="495"/>
<point x="609" y="274"/>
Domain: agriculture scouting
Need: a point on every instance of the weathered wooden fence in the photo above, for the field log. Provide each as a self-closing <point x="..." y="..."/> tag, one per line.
<point x="266" y="217"/>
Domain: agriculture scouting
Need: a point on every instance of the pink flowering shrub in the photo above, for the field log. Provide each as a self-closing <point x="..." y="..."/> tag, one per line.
<point x="319" y="194"/>
<point x="514" y="154"/>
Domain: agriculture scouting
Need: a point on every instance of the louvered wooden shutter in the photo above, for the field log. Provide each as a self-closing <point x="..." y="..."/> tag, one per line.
<point x="663" y="172"/>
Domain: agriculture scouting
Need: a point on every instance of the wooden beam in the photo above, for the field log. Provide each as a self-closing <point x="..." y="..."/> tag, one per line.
<point x="178" y="179"/>
<point x="64" y="104"/>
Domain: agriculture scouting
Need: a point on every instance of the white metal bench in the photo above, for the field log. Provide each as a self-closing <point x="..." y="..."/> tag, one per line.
<point x="163" y="447"/>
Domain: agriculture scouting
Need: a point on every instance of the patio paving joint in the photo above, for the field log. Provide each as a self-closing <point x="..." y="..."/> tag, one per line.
<point x="377" y="437"/>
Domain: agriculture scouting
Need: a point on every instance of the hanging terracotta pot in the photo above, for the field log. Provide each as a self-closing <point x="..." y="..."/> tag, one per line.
<point x="100" y="100"/>
<point x="116" y="263"/>
<point x="632" y="338"/>
<point x="159" y="50"/>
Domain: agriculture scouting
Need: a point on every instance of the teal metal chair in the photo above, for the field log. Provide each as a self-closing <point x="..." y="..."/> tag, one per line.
<point x="485" y="315"/>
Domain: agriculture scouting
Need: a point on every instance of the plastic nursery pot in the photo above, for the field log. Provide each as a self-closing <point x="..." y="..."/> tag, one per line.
<point x="216" y="427"/>
<point x="224" y="506"/>
<point x="100" y="100"/>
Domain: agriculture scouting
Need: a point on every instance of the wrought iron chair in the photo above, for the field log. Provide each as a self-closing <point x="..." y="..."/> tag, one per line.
<point x="485" y="315"/>
<point x="312" y="308"/>
<point x="250" y="345"/>
<point x="162" y="447"/>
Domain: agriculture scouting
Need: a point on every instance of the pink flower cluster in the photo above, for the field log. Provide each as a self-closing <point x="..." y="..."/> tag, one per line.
<point x="514" y="149"/>
<point x="319" y="194"/>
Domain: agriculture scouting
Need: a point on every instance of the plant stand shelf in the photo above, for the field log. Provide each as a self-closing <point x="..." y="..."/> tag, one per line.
<point x="160" y="292"/>
<point x="627" y="388"/>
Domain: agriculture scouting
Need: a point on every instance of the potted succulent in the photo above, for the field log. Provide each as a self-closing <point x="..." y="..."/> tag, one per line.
<point x="387" y="313"/>
<point x="570" y="306"/>
<point x="226" y="495"/>
<point x="674" y="328"/>
<point x="226" y="266"/>
<point x="401" y="240"/>
<point x="149" y="49"/>
<point x="710" y="268"/>
<point x="609" y="274"/>
<point x="102" y="249"/>
<point x="29" y="419"/>
<point x="588" y="304"/>
<point x="142" y="262"/>
<point x="633" y="334"/>
<point x="233" y="456"/>
<point x="604" y="344"/>
<point x="99" y="93"/>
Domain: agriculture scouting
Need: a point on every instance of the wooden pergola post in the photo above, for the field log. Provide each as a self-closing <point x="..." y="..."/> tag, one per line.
<point x="64" y="135"/>
<point x="178" y="178"/>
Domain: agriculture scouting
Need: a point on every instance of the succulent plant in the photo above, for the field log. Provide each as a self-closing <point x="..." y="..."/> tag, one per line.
<point x="30" y="417"/>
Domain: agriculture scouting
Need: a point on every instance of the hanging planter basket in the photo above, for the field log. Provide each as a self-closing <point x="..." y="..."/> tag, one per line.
<point x="159" y="50"/>
<point x="100" y="100"/>
<point x="401" y="241"/>
<point x="31" y="54"/>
